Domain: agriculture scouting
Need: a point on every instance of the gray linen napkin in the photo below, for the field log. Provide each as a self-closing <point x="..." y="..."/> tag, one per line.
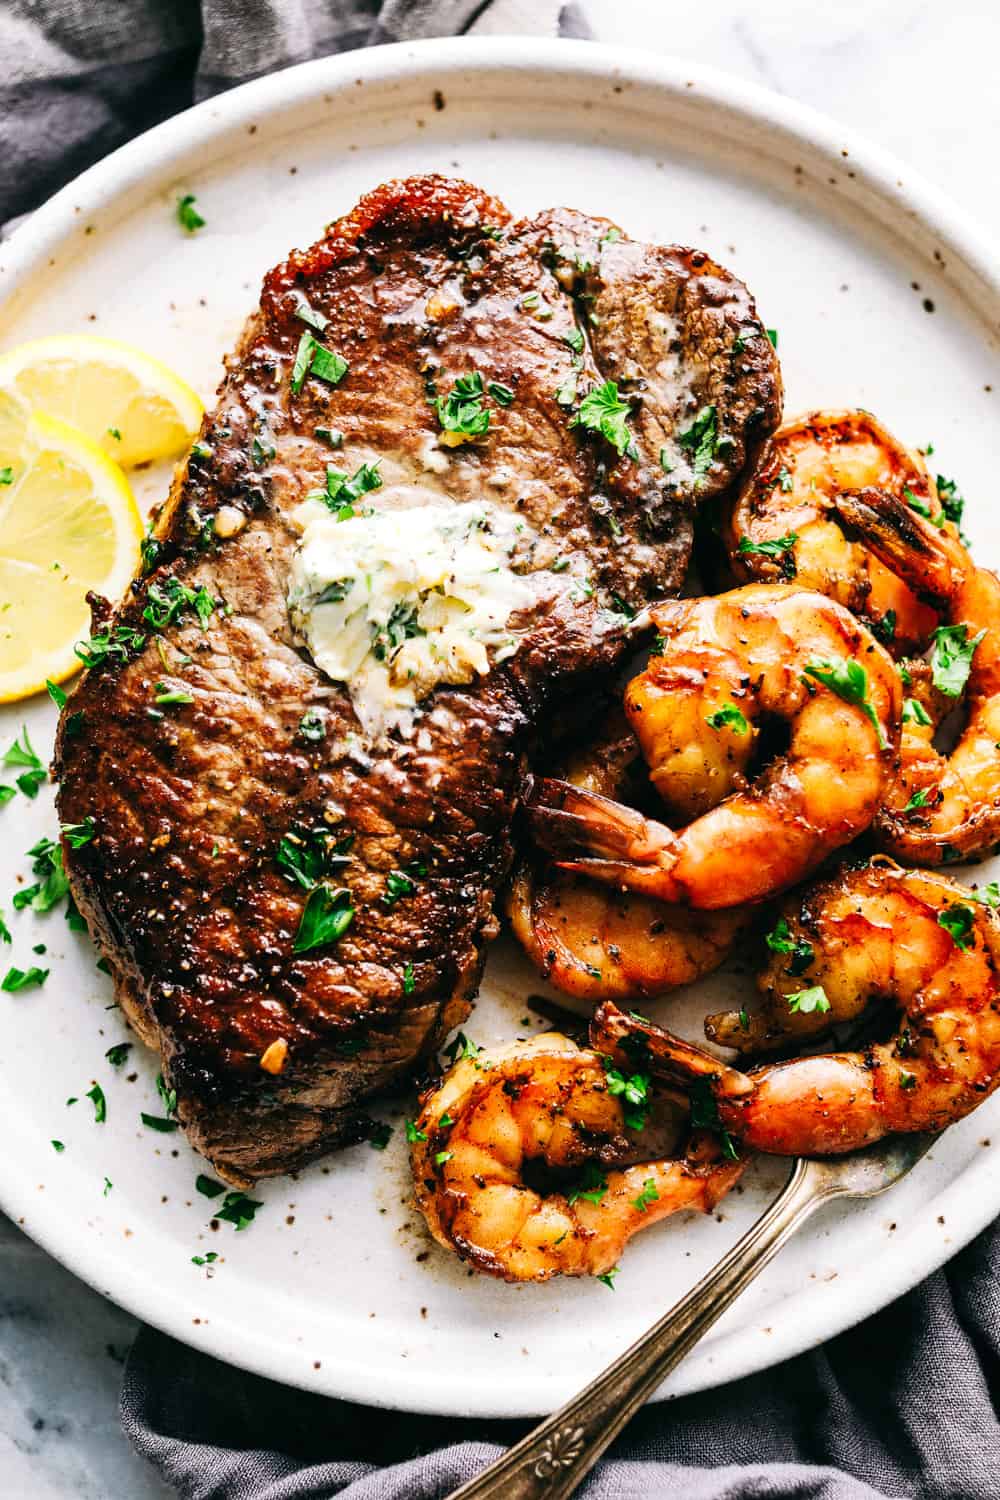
<point x="904" y="1405"/>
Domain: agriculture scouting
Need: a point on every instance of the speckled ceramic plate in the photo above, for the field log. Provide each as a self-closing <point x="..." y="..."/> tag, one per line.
<point x="883" y="298"/>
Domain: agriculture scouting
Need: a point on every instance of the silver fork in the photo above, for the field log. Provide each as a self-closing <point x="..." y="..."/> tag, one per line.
<point x="553" y="1459"/>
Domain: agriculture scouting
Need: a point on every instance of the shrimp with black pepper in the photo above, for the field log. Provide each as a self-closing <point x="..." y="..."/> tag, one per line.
<point x="783" y="524"/>
<point x="727" y="670"/>
<point x="940" y="805"/>
<point x="867" y="934"/>
<point x="909" y="937"/>
<point x="598" y="943"/>
<point x="545" y="1160"/>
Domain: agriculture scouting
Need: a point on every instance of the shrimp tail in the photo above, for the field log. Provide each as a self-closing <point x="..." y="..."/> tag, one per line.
<point x="630" y="1038"/>
<point x="566" y="820"/>
<point x="922" y="556"/>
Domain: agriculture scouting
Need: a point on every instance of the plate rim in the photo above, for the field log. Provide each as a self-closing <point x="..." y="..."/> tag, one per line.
<point x="22" y="254"/>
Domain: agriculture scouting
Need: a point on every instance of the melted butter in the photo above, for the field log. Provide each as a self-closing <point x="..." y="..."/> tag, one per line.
<point x="393" y="603"/>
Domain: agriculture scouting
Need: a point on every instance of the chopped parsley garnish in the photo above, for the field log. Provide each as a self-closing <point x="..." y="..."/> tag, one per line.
<point x="907" y="1080"/>
<point x="647" y="1196"/>
<point x="311" y="317"/>
<point x="327" y="915"/>
<point x="116" y="645"/>
<point x="402" y="625"/>
<point x="113" y="432"/>
<point x="96" y="1094"/>
<point x="728" y="717"/>
<point x="592" y="1186"/>
<point x="805" y="1002"/>
<point x="5" y="936"/>
<point x="208" y="1186"/>
<point x="397" y="885"/>
<point x="7" y="793"/>
<point x="608" y="1278"/>
<point x="701" y="440"/>
<point x="461" y="1048"/>
<point x="306" y="855"/>
<point x="502" y="394"/>
<point x="461" y="414"/>
<point x="52" y="883"/>
<point x="168" y="1096"/>
<point x="565" y="394"/>
<point x="441" y="1157"/>
<point x="108" y="1185"/>
<point x="205" y="1260"/>
<point x="57" y="1145"/>
<point x="784" y="480"/>
<point x="849" y="680"/>
<point x="602" y="410"/>
<point x="6" y="475"/>
<point x="332" y="436"/>
<point x="409" y="982"/>
<point x="379" y="1134"/>
<point x="156" y="1122"/>
<point x="116" y="1055"/>
<point x="919" y="799"/>
<point x="22" y="753"/>
<point x="574" y="340"/>
<point x="168" y="600"/>
<point x="987" y="895"/>
<point x="200" y="450"/>
<point x="238" y="1209"/>
<point x="56" y="693"/>
<point x="312" y="358"/>
<point x="705" y="1115"/>
<point x="958" y="920"/>
<point x="884" y="629"/>
<point x="261" y="452"/>
<point x="951" y="658"/>
<point x="780" y="940"/>
<point x="342" y="490"/>
<point x="23" y="979"/>
<point x="776" y="548"/>
<point x="772" y="334"/>
<point x="665" y="463"/>
<point x="921" y="506"/>
<point x="187" y="215"/>
<point x="914" y="712"/>
<point x="149" y="550"/>
<point x="952" y="503"/>
<point x="413" y="1134"/>
<point x="312" y="728"/>
<point x="166" y="695"/>
<point x="634" y="1091"/>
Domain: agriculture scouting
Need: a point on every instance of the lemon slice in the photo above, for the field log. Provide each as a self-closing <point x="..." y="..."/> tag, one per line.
<point x="68" y="523"/>
<point x="125" y="401"/>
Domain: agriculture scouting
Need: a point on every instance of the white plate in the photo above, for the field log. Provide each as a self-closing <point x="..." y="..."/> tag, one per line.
<point x="335" y="1286"/>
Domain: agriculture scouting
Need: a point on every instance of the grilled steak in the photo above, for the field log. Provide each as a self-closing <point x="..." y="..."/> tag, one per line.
<point x="218" y="820"/>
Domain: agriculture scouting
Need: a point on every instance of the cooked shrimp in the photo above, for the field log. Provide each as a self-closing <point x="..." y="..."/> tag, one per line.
<point x="783" y="524"/>
<point x="728" y="666"/>
<point x="529" y="1166"/>
<point x="939" y="806"/>
<point x="597" y="943"/>
<point x="915" y="938"/>
<point x="865" y="934"/>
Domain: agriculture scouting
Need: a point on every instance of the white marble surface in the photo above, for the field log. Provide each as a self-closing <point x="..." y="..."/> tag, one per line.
<point x="918" y="79"/>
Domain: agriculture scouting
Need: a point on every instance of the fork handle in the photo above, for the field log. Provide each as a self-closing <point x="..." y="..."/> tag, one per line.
<point x="555" y="1457"/>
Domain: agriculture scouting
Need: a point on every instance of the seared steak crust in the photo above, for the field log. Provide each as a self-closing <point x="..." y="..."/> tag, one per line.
<point x="424" y="281"/>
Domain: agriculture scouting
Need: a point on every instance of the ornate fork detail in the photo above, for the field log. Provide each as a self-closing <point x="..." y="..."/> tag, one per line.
<point x="552" y="1460"/>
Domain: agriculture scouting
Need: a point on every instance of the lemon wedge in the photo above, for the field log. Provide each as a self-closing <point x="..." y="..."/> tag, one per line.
<point x="68" y="523"/>
<point x="125" y="401"/>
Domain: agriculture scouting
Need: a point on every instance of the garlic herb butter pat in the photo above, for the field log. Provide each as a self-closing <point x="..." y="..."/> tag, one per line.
<point x="395" y="602"/>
